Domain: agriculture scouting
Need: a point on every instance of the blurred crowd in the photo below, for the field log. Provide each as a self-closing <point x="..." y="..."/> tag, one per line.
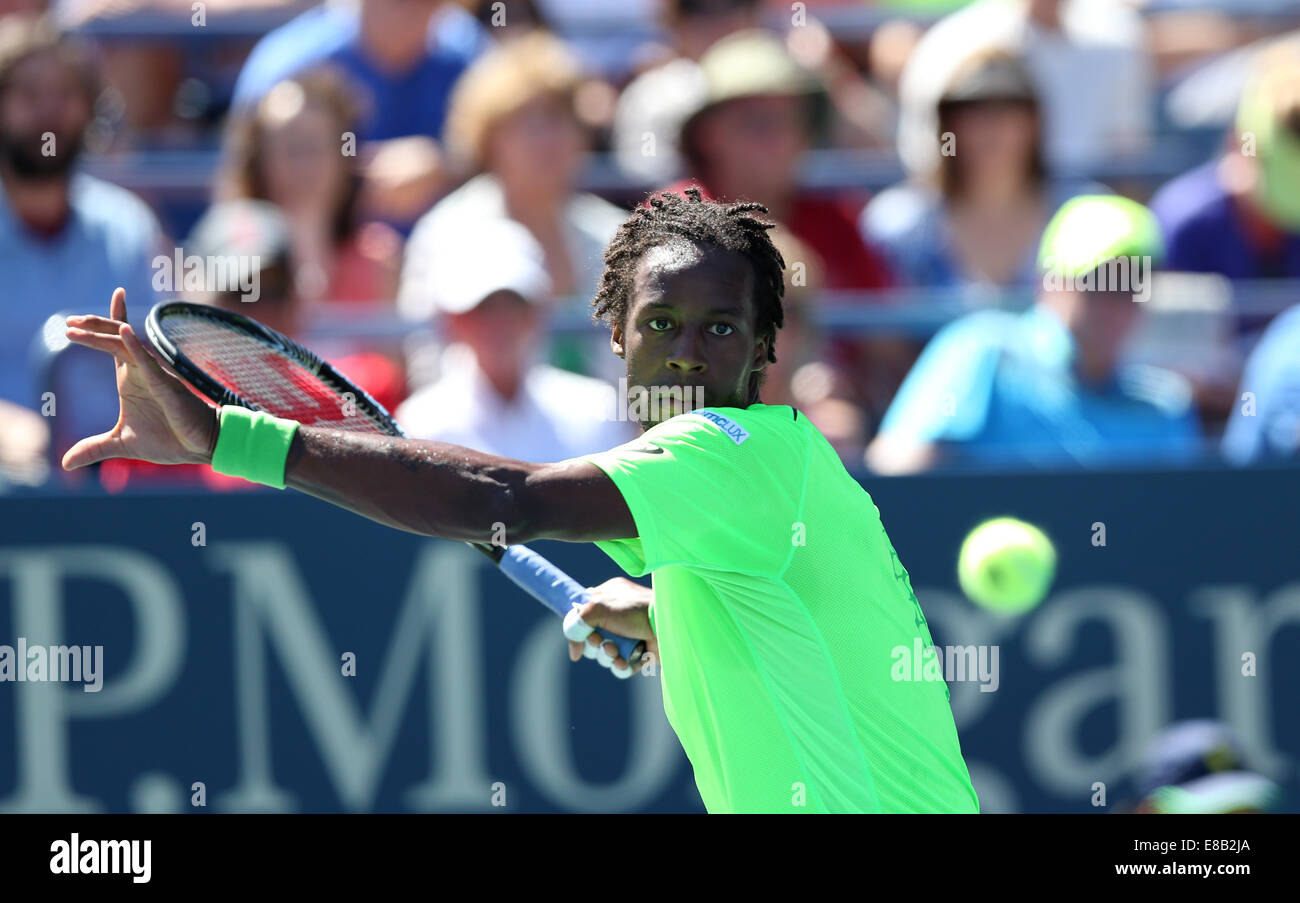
<point x="456" y="169"/>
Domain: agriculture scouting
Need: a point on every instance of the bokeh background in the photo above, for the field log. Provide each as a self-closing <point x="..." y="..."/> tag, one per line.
<point x="422" y="191"/>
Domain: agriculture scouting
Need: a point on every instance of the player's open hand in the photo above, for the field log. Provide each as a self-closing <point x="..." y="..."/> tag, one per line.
<point x="622" y="607"/>
<point x="159" y="419"/>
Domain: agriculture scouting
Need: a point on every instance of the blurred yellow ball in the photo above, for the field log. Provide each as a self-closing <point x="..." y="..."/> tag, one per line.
<point x="1006" y="565"/>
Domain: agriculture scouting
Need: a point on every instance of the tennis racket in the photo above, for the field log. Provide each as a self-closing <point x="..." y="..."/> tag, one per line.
<point x="232" y="359"/>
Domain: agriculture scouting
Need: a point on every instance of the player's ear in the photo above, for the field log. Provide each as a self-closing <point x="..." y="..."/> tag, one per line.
<point x="616" y="340"/>
<point x="760" y="356"/>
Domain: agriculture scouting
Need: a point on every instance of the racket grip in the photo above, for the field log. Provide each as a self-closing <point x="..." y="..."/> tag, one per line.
<point x="555" y="589"/>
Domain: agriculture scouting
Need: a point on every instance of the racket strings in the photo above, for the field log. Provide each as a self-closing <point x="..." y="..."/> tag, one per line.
<point x="268" y="377"/>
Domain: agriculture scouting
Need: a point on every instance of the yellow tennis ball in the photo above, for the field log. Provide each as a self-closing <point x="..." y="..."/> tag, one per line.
<point x="1006" y="565"/>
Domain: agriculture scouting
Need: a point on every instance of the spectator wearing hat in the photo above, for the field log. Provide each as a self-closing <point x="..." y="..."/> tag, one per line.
<point x="1089" y="59"/>
<point x="244" y="251"/>
<point x="1045" y="388"/>
<point x="979" y="218"/>
<point x="648" y="119"/>
<point x="252" y="241"/>
<point x="1198" y="767"/>
<point x="1239" y="214"/>
<point x="488" y="289"/>
<point x="259" y="237"/>
<point x="513" y="127"/>
<point x="758" y="112"/>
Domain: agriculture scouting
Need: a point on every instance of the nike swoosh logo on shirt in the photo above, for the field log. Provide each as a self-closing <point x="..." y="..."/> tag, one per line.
<point x="648" y="449"/>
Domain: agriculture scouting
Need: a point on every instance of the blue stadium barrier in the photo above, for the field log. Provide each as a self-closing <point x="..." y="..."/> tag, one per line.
<point x="227" y="621"/>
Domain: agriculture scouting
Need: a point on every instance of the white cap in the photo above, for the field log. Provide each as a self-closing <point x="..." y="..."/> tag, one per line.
<point x="477" y="258"/>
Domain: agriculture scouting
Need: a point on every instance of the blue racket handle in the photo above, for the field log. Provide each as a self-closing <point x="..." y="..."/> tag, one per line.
<point x="554" y="589"/>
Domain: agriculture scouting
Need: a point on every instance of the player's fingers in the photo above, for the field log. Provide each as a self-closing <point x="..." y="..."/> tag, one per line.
<point x="618" y="663"/>
<point x="93" y="323"/>
<point x="602" y="653"/>
<point x="577" y="628"/>
<point x="117" y="306"/>
<point x="609" y="657"/>
<point x="110" y="344"/>
<point x="159" y="378"/>
<point x="90" y="450"/>
<point x="162" y="376"/>
<point x="139" y="352"/>
<point x="593" y="614"/>
<point x="580" y="626"/>
<point x="590" y="649"/>
<point x="616" y="617"/>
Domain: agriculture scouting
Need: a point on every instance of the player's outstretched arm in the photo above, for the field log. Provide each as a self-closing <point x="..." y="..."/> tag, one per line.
<point x="431" y="488"/>
<point x="439" y="489"/>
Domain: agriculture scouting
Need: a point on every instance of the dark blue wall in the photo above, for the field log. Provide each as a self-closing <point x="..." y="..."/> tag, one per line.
<point x="222" y="661"/>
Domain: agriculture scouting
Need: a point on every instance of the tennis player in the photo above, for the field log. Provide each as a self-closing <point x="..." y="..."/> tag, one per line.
<point x="779" y="608"/>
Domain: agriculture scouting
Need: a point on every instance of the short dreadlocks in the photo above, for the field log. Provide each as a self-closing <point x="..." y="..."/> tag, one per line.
<point x="731" y="227"/>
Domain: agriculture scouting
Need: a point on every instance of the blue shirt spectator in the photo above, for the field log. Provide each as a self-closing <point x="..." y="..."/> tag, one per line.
<point x="1206" y="233"/>
<point x="398" y="104"/>
<point x="998" y="388"/>
<point x="1266" y="420"/>
<point x="110" y="239"/>
<point x="1048" y="388"/>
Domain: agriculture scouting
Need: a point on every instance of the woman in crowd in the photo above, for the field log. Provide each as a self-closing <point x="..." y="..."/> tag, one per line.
<point x="513" y="129"/>
<point x="976" y="221"/>
<point x="297" y="149"/>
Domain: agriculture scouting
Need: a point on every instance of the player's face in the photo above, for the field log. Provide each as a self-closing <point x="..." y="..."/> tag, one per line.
<point x="691" y="323"/>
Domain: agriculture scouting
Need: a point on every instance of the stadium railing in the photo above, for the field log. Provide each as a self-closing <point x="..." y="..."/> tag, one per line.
<point x="910" y="311"/>
<point x="830" y="170"/>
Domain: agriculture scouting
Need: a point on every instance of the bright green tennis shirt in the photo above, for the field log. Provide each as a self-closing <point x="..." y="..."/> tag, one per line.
<point x="781" y="608"/>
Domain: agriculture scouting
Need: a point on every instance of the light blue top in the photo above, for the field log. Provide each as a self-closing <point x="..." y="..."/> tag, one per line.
<point x="999" y="388"/>
<point x="109" y="240"/>
<point x="1266" y="422"/>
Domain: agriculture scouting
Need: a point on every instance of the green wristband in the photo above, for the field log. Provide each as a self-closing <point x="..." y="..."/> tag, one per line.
<point x="253" y="445"/>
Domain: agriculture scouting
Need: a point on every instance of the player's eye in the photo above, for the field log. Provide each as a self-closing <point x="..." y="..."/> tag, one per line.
<point x="667" y="324"/>
<point x="728" y="328"/>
